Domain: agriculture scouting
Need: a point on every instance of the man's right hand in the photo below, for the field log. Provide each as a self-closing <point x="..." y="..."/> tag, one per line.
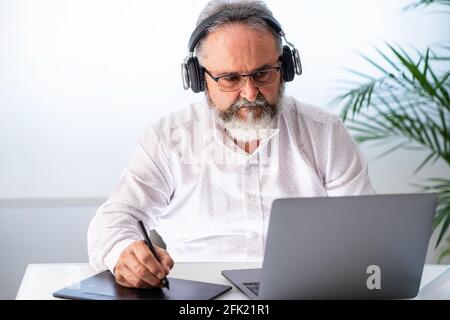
<point x="137" y="267"/>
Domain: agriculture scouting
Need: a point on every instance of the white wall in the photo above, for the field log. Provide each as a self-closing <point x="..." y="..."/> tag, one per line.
<point x="79" y="81"/>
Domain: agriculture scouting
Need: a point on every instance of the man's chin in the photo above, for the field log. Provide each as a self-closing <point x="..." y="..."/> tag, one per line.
<point x="247" y="114"/>
<point x="246" y="123"/>
<point x="249" y="124"/>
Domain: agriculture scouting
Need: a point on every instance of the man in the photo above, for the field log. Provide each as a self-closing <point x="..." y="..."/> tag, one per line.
<point x="206" y="177"/>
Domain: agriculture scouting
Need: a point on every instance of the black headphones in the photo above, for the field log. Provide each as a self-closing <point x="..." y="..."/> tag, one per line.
<point x="193" y="75"/>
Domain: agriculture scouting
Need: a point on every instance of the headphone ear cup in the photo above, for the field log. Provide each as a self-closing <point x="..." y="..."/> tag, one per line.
<point x="196" y="75"/>
<point x="287" y="64"/>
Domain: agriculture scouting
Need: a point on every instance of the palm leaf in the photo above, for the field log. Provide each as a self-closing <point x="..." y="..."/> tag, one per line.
<point x="425" y="122"/>
<point x="445" y="252"/>
<point x="442" y="187"/>
<point x="426" y="3"/>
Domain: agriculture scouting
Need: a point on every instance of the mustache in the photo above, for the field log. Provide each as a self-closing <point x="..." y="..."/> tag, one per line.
<point x="260" y="102"/>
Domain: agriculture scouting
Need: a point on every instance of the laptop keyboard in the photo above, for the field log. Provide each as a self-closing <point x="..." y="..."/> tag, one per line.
<point x="252" y="286"/>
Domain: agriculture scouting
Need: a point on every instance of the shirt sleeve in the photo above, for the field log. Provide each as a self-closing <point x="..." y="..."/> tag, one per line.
<point x="144" y="190"/>
<point x="346" y="170"/>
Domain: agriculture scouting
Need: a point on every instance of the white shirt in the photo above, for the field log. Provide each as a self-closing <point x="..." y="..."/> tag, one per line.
<point x="211" y="201"/>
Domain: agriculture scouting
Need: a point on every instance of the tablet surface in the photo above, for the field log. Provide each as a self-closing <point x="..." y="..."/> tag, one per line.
<point x="104" y="287"/>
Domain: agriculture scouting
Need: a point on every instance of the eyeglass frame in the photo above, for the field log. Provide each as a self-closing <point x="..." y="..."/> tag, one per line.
<point x="242" y="75"/>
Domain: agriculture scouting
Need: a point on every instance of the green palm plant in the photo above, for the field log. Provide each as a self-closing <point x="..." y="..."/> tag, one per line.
<point x="407" y="106"/>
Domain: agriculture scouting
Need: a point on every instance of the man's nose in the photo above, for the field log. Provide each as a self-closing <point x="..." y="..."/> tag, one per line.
<point x="248" y="90"/>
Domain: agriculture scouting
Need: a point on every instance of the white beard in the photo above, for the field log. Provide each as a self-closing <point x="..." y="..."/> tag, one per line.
<point x="252" y="128"/>
<point x="245" y="133"/>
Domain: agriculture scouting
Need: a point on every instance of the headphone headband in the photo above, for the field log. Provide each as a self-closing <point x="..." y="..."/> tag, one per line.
<point x="200" y="31"/>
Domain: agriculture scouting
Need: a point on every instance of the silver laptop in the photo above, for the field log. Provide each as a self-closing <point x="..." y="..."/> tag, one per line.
<point x="358" y="247"/>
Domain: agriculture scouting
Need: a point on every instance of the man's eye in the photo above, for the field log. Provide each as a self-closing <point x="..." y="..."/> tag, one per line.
<point x="231" y="78"/>
<point x="261" y="74"/>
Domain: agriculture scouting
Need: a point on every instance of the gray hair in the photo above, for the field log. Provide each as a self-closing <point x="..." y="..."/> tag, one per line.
<point x="249" y="12"/>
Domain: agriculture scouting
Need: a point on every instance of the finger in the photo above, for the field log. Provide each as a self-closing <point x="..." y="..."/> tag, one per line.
<point x="141" y="271"/>
<point x="146" y="257"/>
<point x="165" y="259"/>
<point x="125" y="277"/>
<point x="120" y="279"/>
<point x="133" y="279"/>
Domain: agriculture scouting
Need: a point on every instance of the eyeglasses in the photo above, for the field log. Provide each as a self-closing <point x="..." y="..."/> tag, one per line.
<point x="235" y="81"/>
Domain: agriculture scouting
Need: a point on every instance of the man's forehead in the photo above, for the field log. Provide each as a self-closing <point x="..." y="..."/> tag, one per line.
<point x="238" y="48"/>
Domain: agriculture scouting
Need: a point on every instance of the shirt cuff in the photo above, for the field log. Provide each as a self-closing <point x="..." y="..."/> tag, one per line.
<point x="114" y="254"/>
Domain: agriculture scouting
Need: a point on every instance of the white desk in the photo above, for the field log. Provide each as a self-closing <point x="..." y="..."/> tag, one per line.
<point x="41" y="280"/>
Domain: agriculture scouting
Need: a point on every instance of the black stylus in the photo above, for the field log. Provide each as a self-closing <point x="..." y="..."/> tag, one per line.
<point x="164" y="281"/>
